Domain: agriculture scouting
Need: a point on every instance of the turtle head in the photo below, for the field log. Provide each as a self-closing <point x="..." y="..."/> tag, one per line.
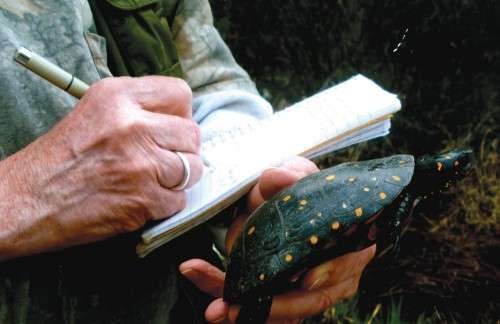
<point x="437" y="172"/>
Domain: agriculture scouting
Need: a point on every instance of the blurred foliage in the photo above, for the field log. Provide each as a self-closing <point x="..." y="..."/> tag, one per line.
<point x="347" y="312"/>
<point x="443" y="60"/>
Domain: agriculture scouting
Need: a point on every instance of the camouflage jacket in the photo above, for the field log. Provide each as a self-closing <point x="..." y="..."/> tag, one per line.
<point x="105" y="282"/>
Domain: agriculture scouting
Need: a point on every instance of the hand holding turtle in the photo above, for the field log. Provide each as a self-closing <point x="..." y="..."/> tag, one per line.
<point x="322" y="286"/>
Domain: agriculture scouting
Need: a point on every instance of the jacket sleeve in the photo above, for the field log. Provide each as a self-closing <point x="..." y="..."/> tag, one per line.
<point x="224" y="94"/>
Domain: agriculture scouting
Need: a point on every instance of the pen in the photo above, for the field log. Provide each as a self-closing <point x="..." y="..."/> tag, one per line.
<point x="50" y="72"/>
<point x="55" y="75"/>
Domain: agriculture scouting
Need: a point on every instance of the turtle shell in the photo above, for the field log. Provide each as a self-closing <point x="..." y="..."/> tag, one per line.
<point x="286" y="233"/>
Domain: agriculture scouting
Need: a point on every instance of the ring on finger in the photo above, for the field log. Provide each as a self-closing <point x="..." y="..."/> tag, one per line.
<point x="187" y="172"/>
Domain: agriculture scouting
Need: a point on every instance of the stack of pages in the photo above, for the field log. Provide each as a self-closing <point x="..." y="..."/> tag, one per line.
<point x="348" y="113"/>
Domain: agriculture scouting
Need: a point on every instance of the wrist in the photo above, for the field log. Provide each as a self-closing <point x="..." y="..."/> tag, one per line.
<point x="25" y="225"/>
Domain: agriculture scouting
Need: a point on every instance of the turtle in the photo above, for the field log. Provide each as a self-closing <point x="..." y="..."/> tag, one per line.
<point x="335" y="211"/>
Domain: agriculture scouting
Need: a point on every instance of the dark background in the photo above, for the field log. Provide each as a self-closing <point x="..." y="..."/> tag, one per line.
<point x="443" y="60"/>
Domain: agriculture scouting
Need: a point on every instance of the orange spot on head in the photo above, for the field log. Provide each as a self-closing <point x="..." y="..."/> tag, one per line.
<point x="303" y="202"/>
<point x="456" y="163"/>
<point x="251" y="230"/>
<point x="288" y="258"/>
<point x="335" y="226"/>
<point x="358" y="212"/>
<point x="439" y="166"/>
<point x="262" y="276"/>
<point x="382" y="195"/>
<point x="313" y="239"/>
<point x="287" y="198"/>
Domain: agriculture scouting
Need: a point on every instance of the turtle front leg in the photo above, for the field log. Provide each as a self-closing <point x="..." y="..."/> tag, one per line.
<point x="398" y="224"/>
<point x="255" y="311"/>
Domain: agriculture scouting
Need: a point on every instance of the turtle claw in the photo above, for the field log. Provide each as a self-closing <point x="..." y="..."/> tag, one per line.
<point x="395" y="246"/>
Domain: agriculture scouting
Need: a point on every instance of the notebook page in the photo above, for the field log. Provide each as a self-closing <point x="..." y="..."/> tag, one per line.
<point x="336" y="115"/>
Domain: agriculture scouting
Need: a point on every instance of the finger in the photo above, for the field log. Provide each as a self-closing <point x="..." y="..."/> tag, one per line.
<point x="170" y="168"/>
<point x="296" y="304"/>
<point x="217" y="311"/>
<point x="204" y="275"/>
<point x="347" y="266"/>
<point x="270" y="182"/>
<point x="165" y="202"/>
<point x="300" y="165"/>
<point x="173" y="133"/>
<point x="161" y="94"/>
<point x="274" y="180"/>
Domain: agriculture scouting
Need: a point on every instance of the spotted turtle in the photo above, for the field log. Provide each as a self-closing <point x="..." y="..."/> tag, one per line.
<point x="338" y="210"/>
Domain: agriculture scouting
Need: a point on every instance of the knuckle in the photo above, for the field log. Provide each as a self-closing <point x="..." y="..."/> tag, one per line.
<point x="325" y="300"/>
<point x="183" y="90"/>
<point x="130" y="126"/>
<point x="130" y="224"/>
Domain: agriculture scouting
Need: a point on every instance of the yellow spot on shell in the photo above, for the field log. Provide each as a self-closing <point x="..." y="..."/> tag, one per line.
<point x="262" y="276"/>
<point x="335" y="226"/>
<point x="251" y="230"/>
<point x="358" y="212"/>
<point x="313" y="239"/>
<point x="301" y="208"/>
<point x="366" y="189"/>
<point x="397" y="178"/>
<point x="352" y="179"/>
<point x="402" y="161"/>
<point x="344" y="205"/>
<point x="330" y="177"/>
<point x="439" y="166"/>
<point x="448" y="157"/>
<point x="320" y="214"/>
<point x="303" y="202"/>
<point x="288" y="258"/>
<point x="287" y="198"/>
<point x="374" y="179"/>
<point x="382" y="195"/>
<point x="456" y="163"/>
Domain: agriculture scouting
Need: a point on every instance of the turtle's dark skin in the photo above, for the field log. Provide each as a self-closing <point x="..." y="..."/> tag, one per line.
<point x="338" y="210"/>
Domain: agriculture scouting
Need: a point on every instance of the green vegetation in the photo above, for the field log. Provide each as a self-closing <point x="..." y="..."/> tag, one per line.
<point x="443" y="60"/>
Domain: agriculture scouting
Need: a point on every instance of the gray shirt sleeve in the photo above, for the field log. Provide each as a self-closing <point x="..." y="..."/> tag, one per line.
<point x="224" y="94"/>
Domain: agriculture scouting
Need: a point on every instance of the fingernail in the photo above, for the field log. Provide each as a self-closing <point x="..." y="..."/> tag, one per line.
<point x="186" y="271"/>
<point x="318" y="282"/>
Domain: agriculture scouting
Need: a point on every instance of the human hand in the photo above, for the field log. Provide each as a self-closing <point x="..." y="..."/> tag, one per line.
<point x="321" y="287"/>
<point x="106" y="168"/>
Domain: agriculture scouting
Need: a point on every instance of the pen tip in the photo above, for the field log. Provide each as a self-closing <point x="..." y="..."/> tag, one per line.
<point x="23" y="55"/>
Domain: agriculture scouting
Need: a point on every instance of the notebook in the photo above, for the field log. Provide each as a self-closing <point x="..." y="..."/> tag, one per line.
<point x="351" y="112"/>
